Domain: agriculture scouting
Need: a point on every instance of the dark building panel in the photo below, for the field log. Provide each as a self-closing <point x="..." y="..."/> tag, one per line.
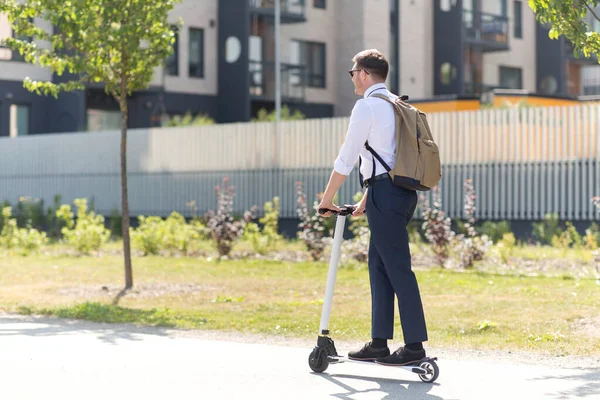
<point x="13" y="92"/>
<point x="448" y="44"/>
<point x="67" y="113"/>
<point x="234" y="79"/>
<point x="549" y="60"/>
<point x="143" y="105"/>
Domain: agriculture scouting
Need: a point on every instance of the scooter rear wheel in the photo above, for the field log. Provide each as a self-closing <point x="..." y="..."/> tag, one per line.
<point x="433" y="371"/>
<point x="317" y="361"/>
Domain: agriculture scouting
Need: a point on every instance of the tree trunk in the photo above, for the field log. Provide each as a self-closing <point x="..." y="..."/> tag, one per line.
<point x="124" y="195"/>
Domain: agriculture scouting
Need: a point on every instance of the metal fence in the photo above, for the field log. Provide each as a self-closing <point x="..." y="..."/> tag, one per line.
<point x="524" y="163"/>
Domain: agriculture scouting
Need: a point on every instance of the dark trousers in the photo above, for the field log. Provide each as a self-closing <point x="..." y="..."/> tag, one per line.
<point x="389" y="209"/>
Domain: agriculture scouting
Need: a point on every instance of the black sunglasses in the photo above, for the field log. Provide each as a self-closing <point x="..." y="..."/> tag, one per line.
<point x="351" y="72"/>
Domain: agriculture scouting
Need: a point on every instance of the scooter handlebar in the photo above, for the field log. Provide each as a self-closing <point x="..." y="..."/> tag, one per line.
<point x="345" y="210"/>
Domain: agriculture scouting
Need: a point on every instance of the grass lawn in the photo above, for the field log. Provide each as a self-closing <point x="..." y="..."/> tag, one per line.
<point x="466" y="309"/>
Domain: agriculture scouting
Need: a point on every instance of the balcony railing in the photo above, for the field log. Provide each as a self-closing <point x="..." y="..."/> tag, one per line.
<point x="488" y="31"/>
<point x="478" y="88"/>
<point x="262" y="81"/>
<point x="290" y="10"/>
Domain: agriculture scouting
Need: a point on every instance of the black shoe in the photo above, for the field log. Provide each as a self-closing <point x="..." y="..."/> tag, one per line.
<point x="368" y="353"/>
<point x="402" y="356"/>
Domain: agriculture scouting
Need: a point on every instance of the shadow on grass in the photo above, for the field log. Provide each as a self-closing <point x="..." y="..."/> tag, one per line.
<point x="111" y="322"/>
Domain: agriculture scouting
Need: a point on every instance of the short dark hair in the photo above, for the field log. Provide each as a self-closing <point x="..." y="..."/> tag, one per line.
<point x="373" y="61"/>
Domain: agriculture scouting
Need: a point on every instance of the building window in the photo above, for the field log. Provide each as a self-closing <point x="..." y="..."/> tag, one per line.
<point x="19" y="120"/>
<point x="311" y="55"/>
<point x="511" y="78"/>
<point x="103" y="120"/>
<point x="518" y="19"/>
<point x="172" y="63"/>
<point x="196" y="53"/>
<point x="320" y="4"/>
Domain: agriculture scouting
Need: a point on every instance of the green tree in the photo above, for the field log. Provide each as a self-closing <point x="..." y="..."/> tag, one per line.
<point x="118" y="43"/>
<point x="570" y="19"/>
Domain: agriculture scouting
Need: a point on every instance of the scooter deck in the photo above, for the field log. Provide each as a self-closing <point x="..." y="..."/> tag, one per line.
<point x="413" y="367"/>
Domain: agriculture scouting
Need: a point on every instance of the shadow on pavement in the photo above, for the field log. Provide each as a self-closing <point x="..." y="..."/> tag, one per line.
<point x="47" y="326"/>
<point x="392" y="388"/>
<point x="588" y="388"/>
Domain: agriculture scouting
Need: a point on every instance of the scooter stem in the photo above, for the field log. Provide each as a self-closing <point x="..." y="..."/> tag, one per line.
<point x="338" y="236"/>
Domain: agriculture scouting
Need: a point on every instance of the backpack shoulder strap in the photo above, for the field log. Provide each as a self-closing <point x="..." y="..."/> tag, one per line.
<point x="398" y="116"/>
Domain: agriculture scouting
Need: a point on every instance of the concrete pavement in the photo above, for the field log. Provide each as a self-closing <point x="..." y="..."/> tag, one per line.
<point x="46" y="358"/>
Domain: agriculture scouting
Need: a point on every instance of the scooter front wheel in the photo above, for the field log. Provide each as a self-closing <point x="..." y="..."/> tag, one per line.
<point x="317" y="361"/>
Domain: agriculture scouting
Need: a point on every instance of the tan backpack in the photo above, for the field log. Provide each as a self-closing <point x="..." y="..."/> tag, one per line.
<point x="418" y="165"/>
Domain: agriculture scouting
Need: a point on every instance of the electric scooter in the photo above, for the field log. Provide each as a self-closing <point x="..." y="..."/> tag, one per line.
<point x="325" y="352"/>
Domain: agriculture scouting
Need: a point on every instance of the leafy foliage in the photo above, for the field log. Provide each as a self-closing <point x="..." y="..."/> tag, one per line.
<point x="547" y="229"/>
<point x="506" y="246"/>
<point x="591" y="240"/>
<point x="437" y="227"/>
<point x="87" y="233"/>
<point x="571" y="19"/>
<point x="495" y="230"/>
<point x="358" y="247"/>
<point x="189" y="120"/>
<point x="471" y="247"/>
<point x="226" y="230"/>
<point x="115" y="42"/>
<point x="174" y="234"/>
<point x="265" y="239"/>
<point x="286" y="115"/>
<point x="27" y="240"/>
<point x="312" y="231"/>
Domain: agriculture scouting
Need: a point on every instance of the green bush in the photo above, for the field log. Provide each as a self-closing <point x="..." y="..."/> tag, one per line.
<point x="546" y="230"/>
<point x="154" y="234"/>
<point x="30" y="213"/>
<point x="9" y="235"/>
<point x="88" y="232"/>
<point x="495" y="230"/>
<point x="54" y="224"/>
<point x="592" y="237"/>
<point x="149" y="237"/>
<point x="27" y="240"/>
<point x="285" y="115"/>
<point x="115" y="224"/>
<point x="30" y="240"/>
<point x="265" y="239"/>
<point x="189" y="120"/>
<point x="181" y="236"/>
<point x="506" y="246"/>
<point x="312" y="231"/>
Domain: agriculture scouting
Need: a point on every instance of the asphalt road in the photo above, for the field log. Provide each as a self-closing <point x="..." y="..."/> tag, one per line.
<point x="45" y="358"/>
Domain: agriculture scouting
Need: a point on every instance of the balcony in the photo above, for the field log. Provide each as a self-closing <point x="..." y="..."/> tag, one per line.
<point x="262" y="81"/>
<point x="290" y="10"/>
<point x="486" y="32"/>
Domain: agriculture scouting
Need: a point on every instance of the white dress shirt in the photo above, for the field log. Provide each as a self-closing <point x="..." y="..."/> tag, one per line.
<point x="372" y="120"/>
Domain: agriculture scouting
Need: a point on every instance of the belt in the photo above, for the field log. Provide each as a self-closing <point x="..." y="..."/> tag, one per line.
<point x="370" y="181"/>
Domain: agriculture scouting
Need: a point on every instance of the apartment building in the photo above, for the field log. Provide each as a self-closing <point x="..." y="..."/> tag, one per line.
<point x="223" y="61"/>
